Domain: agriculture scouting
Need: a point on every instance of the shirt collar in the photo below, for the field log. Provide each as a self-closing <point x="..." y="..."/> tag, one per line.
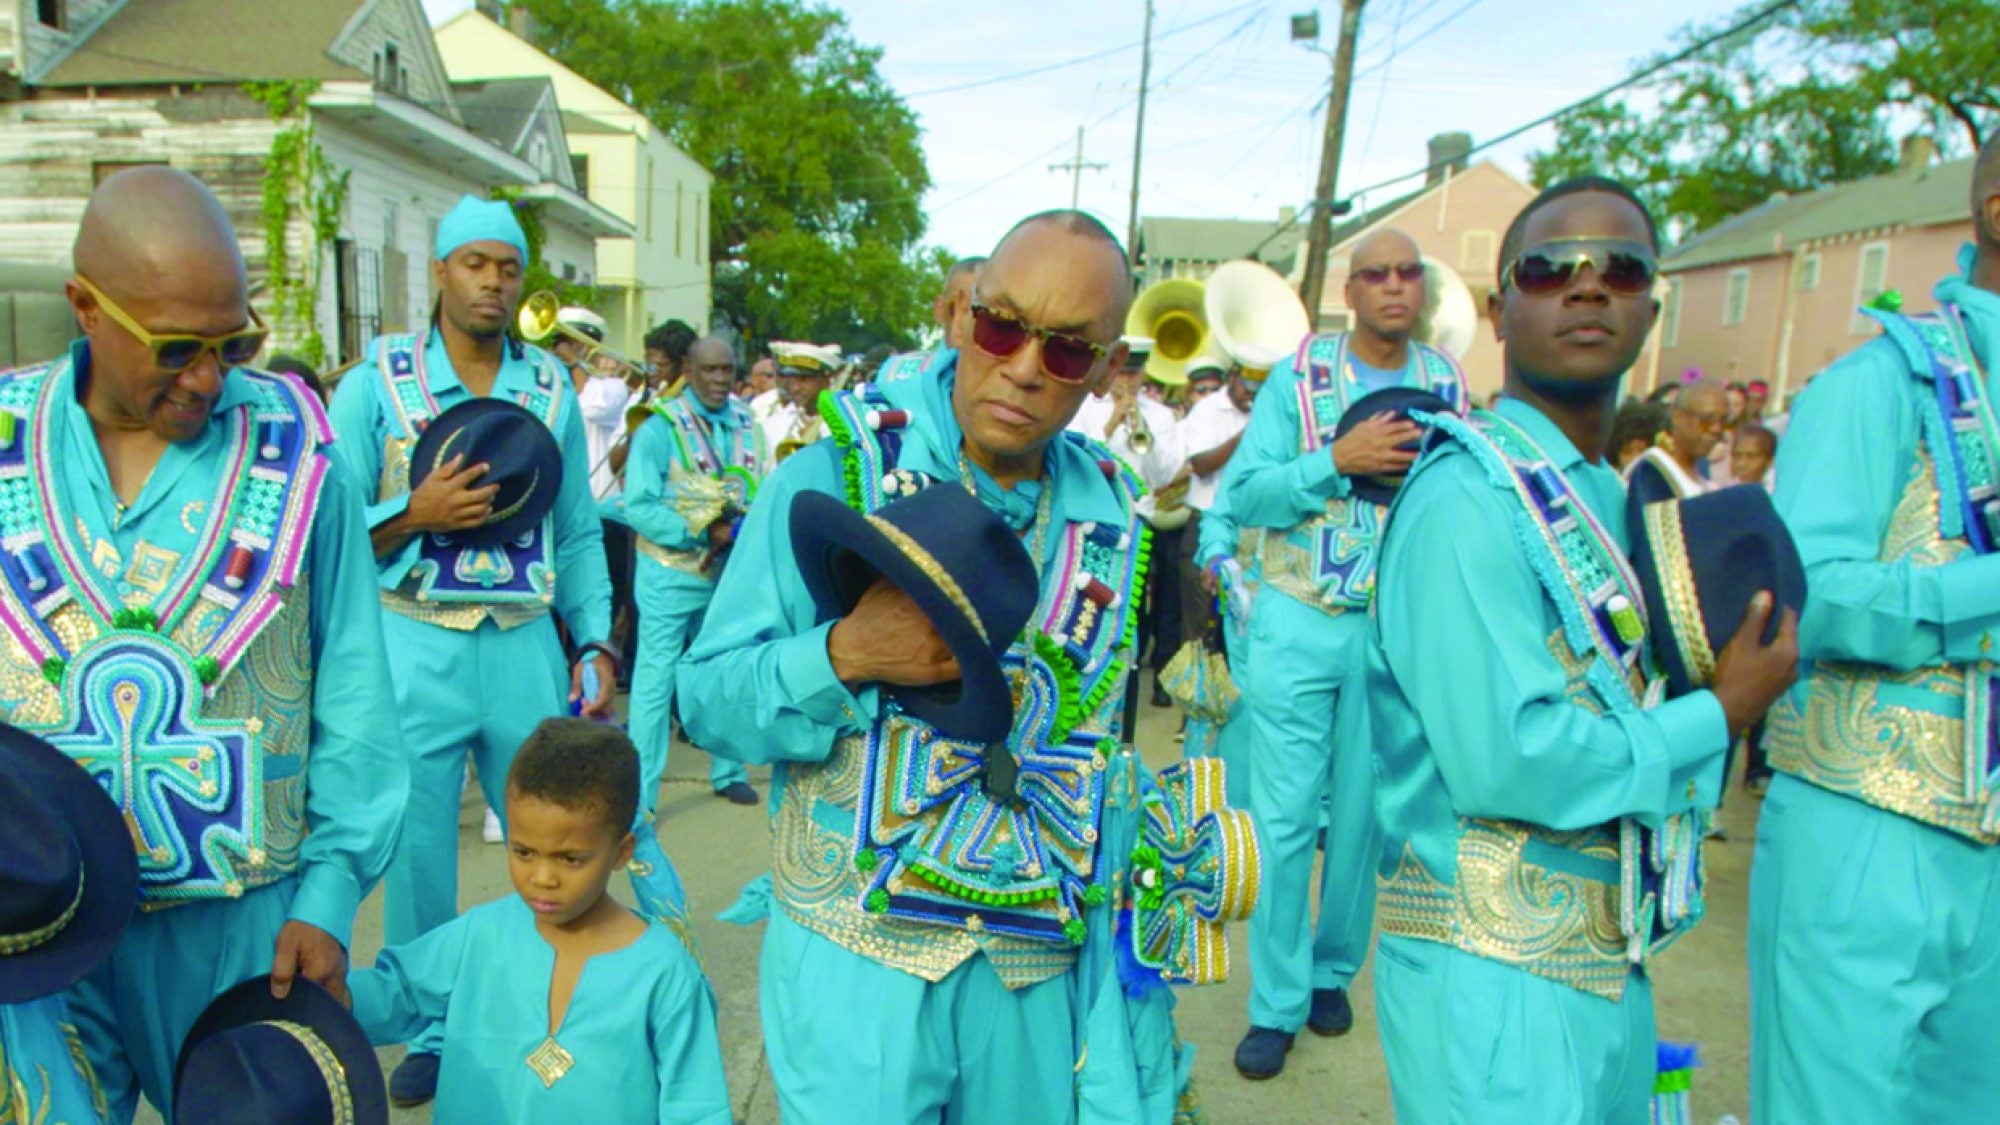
<point x="1563" y="454"/>
<point x="517" y="368"/>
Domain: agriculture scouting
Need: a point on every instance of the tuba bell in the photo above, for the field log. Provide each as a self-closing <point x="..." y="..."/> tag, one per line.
<point x="1255" y="316"/>
<point x="1449" y="320"/>
<point x="1170" y="314"/>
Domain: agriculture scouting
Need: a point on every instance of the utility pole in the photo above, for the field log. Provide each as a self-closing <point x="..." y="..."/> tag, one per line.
<point x="1139" y="140"/>
<point x="1076" y="166"/>
<point x="1329" y="158"/>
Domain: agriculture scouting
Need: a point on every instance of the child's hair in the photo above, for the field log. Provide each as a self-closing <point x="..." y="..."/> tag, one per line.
<point x="1760" y="436"/>
<point x="580" y="765"/>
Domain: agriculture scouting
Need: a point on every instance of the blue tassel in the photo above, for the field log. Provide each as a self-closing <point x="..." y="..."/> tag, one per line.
<point x="1134" y="978"/>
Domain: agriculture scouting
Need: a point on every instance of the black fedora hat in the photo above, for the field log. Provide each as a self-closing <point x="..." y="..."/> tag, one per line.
<point x="963" y="567"/>
<point x="521" y="456"/>
<point x="1399" y="401"/>
<point x="1700" y="560"/>
<point x="252" y="1057"/>
<point x="69" y="877"/>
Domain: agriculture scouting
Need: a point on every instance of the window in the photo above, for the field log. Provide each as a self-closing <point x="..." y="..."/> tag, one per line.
<point x="579" y="169"/>
<point x="102" y="170"/>
<point x="538" y="155"/>
<point x="52" y="13"/>
<point x="358" y="289"/>
<point x="1869" y="282"/>
<point x="1736" y="298"/>
<point x="1670" y="327"/>
<point x="389" y="68"/>
<point x="1476" y="251"/>
<point x="1809" y="273"/>
<point x="569" y="271"/>
<point x="391" y="219"/>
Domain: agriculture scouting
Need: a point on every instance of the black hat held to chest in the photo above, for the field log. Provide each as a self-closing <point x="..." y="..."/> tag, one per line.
<point x="520" y="454"/>
<point x="1399" y="401"/>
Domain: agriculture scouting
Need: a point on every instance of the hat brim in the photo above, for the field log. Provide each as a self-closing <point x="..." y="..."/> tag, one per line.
<point x="546" y="455"/>
<point x="250" y="1001"/>
<point x="1399" y="401"/>
<point x="110" y="873"/>
<point x="840" y="554"/>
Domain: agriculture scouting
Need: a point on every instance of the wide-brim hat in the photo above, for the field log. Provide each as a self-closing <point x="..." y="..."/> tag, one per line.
<point x="1699" y="561"/>
<point x="1399" y="401"/>
<point x="958" y="561"/>
<point x="68" y="869"/>
<point x="253" y="1057"/>
<point x="521" y="456"/>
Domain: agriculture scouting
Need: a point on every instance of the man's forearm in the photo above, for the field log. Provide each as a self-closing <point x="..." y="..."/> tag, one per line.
<point x="1209" y="463"/>
<point x="391" y="535"/>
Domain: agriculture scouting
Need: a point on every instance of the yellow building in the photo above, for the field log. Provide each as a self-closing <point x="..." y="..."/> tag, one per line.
<point x="624" y="165"/>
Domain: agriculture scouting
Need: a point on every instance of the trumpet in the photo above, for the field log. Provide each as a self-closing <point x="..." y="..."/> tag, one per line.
<point x="537" y="322"/>
<point x="1138" y="434"/>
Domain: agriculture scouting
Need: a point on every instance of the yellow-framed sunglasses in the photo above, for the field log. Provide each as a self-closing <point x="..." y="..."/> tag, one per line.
<point x="180" y="351"/>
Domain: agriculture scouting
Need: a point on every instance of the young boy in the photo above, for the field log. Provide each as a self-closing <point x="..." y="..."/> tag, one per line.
<point x="1751" y="455"/>
<point x="559" y="1004"/>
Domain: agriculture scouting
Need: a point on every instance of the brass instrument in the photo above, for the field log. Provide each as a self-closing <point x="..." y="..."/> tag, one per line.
<point x="1256" y="318"/>
<point x="539" y="320"/>
<point x="1138" y="434"/>
<point x="1449" y="320"/>
<point x="1170" y="313"/>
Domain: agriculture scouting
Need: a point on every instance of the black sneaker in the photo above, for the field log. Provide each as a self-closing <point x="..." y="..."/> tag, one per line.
<point x="1331" y="1013"/>
<point x="415" y="1080"/>
<point x="738" y="792"/>
<point x="1160" y="696"/>
<point x="1262" y="1053"/>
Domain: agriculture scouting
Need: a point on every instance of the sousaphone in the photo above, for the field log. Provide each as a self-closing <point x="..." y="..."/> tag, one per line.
<point x="1449" y="320"/>
<point x="1170" y="314"/>
<point x="1253" y="315"/>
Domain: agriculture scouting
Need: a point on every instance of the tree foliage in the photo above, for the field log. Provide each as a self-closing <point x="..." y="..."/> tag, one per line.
<point x="816" y="216"/>
<point x="1816" y="95"/>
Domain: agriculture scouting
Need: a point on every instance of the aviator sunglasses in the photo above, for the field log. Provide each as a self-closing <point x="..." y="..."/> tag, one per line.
<point x="180" y="351"/>
<point x="1066" y="358"/>
<point x="1409" y="273"/>
<point x="1626" y="268"/>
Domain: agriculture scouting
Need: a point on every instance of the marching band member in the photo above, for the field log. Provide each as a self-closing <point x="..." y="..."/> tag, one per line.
<point x="804" y="370"/>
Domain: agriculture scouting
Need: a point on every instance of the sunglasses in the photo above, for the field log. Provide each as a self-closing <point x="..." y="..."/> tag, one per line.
<point x="178" y="352"/>
<point x="1409" y="273"/>
<point x="1625" y="268"/>
<point x="1066" y="358"/>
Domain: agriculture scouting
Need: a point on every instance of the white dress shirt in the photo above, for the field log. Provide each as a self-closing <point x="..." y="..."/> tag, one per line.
<point x="603" y="400"/>
<point x="1156" y="466"/>
<point x="1210" y="423"/>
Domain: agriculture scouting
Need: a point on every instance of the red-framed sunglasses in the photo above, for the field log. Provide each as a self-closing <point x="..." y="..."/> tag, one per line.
<point x="1066" y="357"/>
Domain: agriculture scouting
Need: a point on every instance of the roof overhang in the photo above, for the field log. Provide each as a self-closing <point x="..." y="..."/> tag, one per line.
<point x="408" y="126"/>
<point x="567" y="207"/>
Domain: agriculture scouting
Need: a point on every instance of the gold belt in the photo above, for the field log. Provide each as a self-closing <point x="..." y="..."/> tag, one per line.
<point x="687" y="562"/>
<point x="462" y="617"/>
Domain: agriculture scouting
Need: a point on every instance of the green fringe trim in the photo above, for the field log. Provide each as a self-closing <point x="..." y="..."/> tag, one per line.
<point x="836" y="423"/>
<point x="136" y="617"/>
<point x="850" y="457"/>
<point x="53" y="669"/>
<point x="1142" y="565"/>
<point x="979" y="895"/>
<point x="1114" y="673"/>
<point x="1069" y="685"/>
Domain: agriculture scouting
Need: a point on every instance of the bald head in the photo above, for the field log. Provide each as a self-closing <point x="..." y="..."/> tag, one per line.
<point x="1386" y="289"/>
<point x="711" y="370"/>
<point x="147" y="229"/>
<point x="1388" y="245"/>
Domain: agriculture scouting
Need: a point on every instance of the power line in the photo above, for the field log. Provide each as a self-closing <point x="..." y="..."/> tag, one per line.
<point x="1081" y="59"/>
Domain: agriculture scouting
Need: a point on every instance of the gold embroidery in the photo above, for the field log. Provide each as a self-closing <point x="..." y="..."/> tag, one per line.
<point x="698" y="499"/>
<point x="40" y="935"/>
<point x="1684" y="622"/>
<point x="331" y="1071"/>
<point x="191" y="520"/>
<point x="687" y="562"/>
<point x="81" y="1060"/>
<point x="152" y="567"/>
<point x="550" y="1062"/>
<point x="103" y="555"/>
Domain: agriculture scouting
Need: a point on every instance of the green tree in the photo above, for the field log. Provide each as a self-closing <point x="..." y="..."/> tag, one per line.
<point x="1813" y="96"/>
<point x="816" y="216"/>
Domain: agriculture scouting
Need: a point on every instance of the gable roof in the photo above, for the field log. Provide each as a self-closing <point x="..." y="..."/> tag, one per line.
<point x="1217" y="240"/>
<point x="1908" y="197"/>
<point x="163" y="41"/>
<point x="503" y="109"/>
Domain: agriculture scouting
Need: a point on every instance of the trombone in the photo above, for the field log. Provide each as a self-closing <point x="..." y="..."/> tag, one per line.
<point x="537" y="322"/>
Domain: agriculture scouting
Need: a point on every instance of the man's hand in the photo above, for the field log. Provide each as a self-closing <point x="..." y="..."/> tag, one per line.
<point x="451" y="499"/>
<point x="1750" y="675"/>
<point x="1123" y="394"/>
<point x="304" y="948"/>
<point x="1371" y="448"/>
<point x="1211" y="582"/>
<point x="599" y="706"/>
<point x="887" y="639"/>
<point x="722" y="533"/>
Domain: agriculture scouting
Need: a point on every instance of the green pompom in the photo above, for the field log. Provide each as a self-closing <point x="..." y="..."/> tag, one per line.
<point x="208" y="668"/>
<point x="878" y="901"/>
<point x="53" y="669"/>
<point x="1075" y="931"/>
<point x="1096" y="895"/>
<point x="866" y="861"/>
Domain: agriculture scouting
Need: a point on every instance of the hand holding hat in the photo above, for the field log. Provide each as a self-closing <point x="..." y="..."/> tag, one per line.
<point x="1376" y="442"/>
<point x="523" y="467"/>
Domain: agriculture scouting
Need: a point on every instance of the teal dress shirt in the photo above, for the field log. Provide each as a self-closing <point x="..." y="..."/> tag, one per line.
<point x="649" y="488"/>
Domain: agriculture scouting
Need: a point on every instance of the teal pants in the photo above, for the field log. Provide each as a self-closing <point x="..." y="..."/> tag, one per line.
<point x="134" y="1009"/>
<point x="478" y="693"/>
<point x="40" y="1082"/>
<point x="853" y="1042"/>
<point x="1472" y="1041"/>
<point x="1308" y="733"/>
<point x="1874" y="965"/>
<point x="671" y="605"/>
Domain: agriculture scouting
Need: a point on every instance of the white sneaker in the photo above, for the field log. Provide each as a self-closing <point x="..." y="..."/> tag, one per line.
<point x="491" y="831"/>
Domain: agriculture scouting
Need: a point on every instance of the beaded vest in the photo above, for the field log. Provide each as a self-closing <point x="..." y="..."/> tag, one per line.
<point x="453" y="584"/>
<point x="1328" y="561"/>
<point x="891" y="847"/>
<point x="1577" y="907"/>
<point x="1919" y="743"/>
<point x="192" y="706"/>
<point x="708" y="480"/>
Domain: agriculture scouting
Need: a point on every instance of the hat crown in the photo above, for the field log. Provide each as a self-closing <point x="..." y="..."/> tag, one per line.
<point x="978" y="551"/>
<point x="520" y="455"/>
<point x="41" y="868"/>
<point x="261" y="1072"/>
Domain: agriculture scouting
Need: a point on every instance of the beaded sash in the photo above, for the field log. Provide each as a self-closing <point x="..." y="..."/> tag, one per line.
<point x="148" y="697"/>
<point x="709" y="481"/>
<point x="519" y="572"/>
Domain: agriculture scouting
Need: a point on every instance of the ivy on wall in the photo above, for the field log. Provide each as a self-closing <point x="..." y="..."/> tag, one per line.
<point x="538" y="276"/>
<point x="299" y="181"/>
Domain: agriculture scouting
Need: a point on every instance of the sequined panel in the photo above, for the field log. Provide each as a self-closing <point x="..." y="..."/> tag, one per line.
<point x="458" y="617"/>
<point x="273" y="682"/>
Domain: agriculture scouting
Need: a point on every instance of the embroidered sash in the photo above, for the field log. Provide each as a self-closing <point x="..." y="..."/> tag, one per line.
<point x="156" y="700"/>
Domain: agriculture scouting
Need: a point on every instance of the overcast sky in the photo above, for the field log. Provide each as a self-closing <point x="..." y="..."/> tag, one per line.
<point x="1234" y="117"/>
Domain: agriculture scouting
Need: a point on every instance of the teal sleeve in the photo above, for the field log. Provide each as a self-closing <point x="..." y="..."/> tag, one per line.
<point x="1269" y="482"/>
<point x="687" y="1052"/>
<point x="1217" y="531"/>
<point x="583" y="576"/>
<point x="1843" y="465"/>
<point x="357" y="781"/>
<point x="1466" y="633"/>
<point x="409" y="987"/>
<point x="650" y="494"/>
<point x="758" y="685"/>
<point x="357" y="452"/>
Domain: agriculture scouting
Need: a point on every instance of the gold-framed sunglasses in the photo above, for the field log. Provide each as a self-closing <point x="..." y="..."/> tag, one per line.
<point x="177" y="351"/>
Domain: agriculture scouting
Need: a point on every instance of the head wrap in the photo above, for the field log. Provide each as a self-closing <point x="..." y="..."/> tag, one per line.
<point x="477" y="220"/>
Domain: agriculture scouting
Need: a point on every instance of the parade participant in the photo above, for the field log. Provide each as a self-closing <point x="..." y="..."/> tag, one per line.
<point x="559" y="1004"/>
<point x="1875" y="892"/>
<point x="189" y="588"/>
<point x="255" y="1059"/>
<point x="474" y="653"/>
<point x="1634" y="430"/>
<point x="876" y="1011"/>
<point x="1672" y="468"/>
<point x="1209" y="433"/>
<point x="804" y="370"/>
<point x="1752" y="454"/>
<point x="694" y="469"/>
<point x="951" y="300"/>
<point x="603" y="394"/>
<point x="1203" y="381"/>
<point x="68" y="884"/>
<point x="1296" y="482"/>
<point x="1516" y="760"/>
<point x="765" y="393"/>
